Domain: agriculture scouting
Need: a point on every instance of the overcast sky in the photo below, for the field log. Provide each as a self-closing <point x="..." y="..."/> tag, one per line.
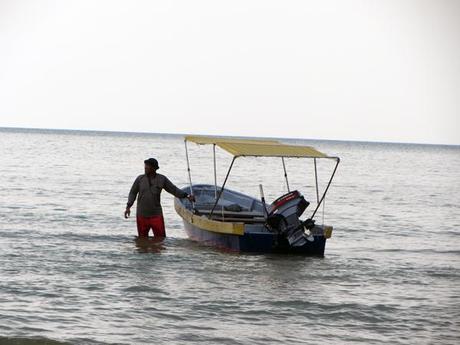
<point x="327" y="69"/>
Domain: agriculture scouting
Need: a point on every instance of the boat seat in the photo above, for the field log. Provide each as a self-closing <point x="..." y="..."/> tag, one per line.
<point x="234" y="208"/>
<point x="218" y="212"/>
<point x="253" y="220"/>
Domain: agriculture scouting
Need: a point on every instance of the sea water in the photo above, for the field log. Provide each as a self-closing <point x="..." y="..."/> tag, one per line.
<point x="71" y="271"/>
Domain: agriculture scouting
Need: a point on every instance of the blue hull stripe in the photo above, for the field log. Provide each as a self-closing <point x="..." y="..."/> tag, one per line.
<point x="254" y="242"/>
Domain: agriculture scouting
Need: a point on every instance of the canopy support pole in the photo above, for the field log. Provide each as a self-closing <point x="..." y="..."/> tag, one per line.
<point x="285" y="174"/>
<point x="189" y="173"/>
<point x="215" y="170"/>
<point x="316" y="181"/>
<point x="223" y="185"/>
<point x="327" y="187"/>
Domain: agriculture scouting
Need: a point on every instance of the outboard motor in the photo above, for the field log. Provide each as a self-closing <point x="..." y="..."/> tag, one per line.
<point x="284" y="218"/>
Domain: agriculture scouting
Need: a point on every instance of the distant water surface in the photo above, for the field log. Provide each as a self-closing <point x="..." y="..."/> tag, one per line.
<point x="71" y="272"/>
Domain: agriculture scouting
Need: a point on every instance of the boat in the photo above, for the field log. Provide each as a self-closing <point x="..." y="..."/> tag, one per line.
<point x="234" y="221"/>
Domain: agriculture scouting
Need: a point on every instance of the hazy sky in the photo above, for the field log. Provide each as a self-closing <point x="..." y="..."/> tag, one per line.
<point x="343" y="69"/>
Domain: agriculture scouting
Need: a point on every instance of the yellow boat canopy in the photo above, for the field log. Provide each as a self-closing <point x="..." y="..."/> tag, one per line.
<point x="204" y="140"/>
<point x="270" y="150"/>
<point x="258" y="148"/>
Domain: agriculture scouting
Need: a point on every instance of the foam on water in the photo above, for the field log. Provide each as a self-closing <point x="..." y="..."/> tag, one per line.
<point x="71" y="271"/>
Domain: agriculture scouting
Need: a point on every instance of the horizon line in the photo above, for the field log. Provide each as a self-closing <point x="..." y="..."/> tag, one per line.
<point x="219" y="135"/>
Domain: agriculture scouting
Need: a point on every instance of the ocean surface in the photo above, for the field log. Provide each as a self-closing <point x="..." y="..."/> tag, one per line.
<point x="71" y="271"/>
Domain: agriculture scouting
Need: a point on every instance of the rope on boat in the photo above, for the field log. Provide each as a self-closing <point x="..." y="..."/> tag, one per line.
<point x="223" y="185"/>
<point x="327" y="187"/>
<point x="189" y="174"/>
<point x="285" y="174"/>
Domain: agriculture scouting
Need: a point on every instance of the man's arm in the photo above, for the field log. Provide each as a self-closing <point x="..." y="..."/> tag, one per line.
<point x="132" y="196"/>
<point x="172" y="189"/>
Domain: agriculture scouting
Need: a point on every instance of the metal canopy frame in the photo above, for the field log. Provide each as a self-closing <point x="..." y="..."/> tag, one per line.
<point x="219" y="193"/>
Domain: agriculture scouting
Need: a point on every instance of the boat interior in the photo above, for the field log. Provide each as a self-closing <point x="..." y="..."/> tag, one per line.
<point x="232" y="206"/>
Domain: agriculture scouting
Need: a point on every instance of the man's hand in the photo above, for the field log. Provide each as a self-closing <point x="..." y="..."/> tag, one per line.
<point x="191" y="198"/>
<point x="127" y="212"/>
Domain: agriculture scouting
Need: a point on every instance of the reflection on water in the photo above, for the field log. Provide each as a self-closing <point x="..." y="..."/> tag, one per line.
<point x="149" y="245"/>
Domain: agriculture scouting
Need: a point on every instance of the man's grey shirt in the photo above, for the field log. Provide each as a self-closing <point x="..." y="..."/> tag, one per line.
<point x="148" y="194"/>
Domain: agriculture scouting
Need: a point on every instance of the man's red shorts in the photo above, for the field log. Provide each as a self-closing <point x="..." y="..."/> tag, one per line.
<point x="156" y="223"/>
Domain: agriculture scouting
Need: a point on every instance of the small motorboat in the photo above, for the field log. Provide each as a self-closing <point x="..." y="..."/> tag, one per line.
<point x="234" y="221"/>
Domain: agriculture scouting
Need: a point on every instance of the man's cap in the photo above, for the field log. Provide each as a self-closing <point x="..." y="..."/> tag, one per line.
<point x="152" y="162"/>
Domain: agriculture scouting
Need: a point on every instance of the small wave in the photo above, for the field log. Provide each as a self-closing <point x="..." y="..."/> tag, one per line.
<point x="30" y="341"/>
<point x="145" y="288"/>
<point x="421" y="251"/>
<point x="209" y="339"/>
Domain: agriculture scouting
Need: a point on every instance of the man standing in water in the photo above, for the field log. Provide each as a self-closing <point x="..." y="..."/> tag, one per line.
<point x="149" y="214"/>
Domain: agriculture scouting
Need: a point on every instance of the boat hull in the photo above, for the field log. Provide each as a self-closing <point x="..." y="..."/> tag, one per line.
<point x="241" y="231"/>
<point x="253" y="242"/>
